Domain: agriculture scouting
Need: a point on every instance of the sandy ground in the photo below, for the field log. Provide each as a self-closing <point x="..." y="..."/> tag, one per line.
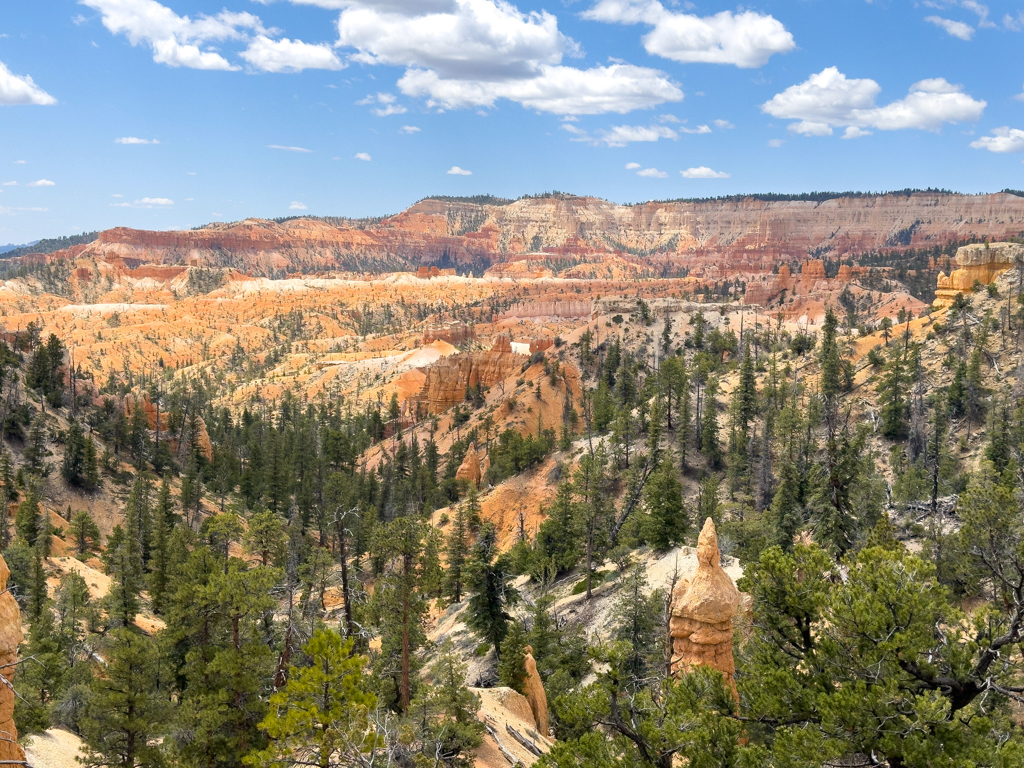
<point x="501" y="707"/>
<point x="54" y="749"/>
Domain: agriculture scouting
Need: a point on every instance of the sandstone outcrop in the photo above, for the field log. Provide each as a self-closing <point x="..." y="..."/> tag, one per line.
<point x="10" y="639"/>
<point x="534" y="690"/>
<point x="538" y="309"/>
<point x="448" y="379"/>
<point x="454" y="332"/>
<point x="703" y="608"/>
<point x="470" y="469"/>
<point x="980" y="262"/>
<point x="714" y="237"/>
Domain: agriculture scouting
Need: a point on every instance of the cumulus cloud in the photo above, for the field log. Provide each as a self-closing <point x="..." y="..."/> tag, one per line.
<point x="42" y="183"/>
<point x="725" y="125"/>
<point x="699" y="129"/>
<point x="135" y="140"/>
<point x="652" y="173"/>
<point x="456" y="171"/>
<point x="409" y="129"/>
<point x="286" y="55"/>
<point x="471" y="53"/>
<point x="181" y="41"/>
<point x="621" y="135"/>
<point x="829" y="99"/>
<point x="954" y="28"/>
<point x="703" y="172"/>
<point x="21" y="89"/>
<point x="746" y="39"/>
<point x="363" y="156"/>
<point x="297" y="206"/>
<point x="632" y="166"/>
<point x="283" y="148"/>
<point x="1003" y="139"/>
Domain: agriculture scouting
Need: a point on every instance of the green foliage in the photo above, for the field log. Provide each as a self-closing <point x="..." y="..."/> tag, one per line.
<point x="488" y="580"/>
<point x="321" y="716"/>
<point x="511" y="667"/>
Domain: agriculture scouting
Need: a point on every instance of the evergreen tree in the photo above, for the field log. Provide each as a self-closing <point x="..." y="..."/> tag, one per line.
<point x="29" y="520"/>
<point x="126" y="713"/>
<point x="160" y="555"/>
<point x="447" y="714"/>
<point x="124" y="565"/>
<point x="892" y="396"/>
<point x="489" y="576"/>
<point x="456" y="551"/>
<point x="666" y="523"/>
<point x="83" y="533"/>
<point x="321" y="716"/>
<point x="709" y="445"/>
<point x="511" y="666"/>
<point x="73" y="465"/>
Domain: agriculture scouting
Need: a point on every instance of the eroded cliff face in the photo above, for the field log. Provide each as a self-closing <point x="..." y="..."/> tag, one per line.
<point x="446" y="381"/>
<point x="982" y="263"/>
<point x="10" y="639"/>
<point x="713" y="238"/>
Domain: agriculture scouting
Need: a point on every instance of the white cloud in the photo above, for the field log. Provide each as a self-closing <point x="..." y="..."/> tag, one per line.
<point x="363" y="156"/>
<point x="146" y="202"/>
<point x="409" y="129"/>
<point x="289" y="149"/>
<point x="746" y="39"/>
<point x="20" y="162"/>
<point x="828" y="99"/>
<point x="853" y="132"/>
<point x="632" y="166"/>
<point x="297" y="206"/>
<point x="1003" y="139"/>
<point x="42" y="183"/>
<point x="776" y="143"/>
<point x="1019" y="97"/>
<point x="134" y="140"/>
<point x="621" y="135"/>
<point x="175" y="40"/>
<point x="286" y="55"/>
<point x="15" y="89"/>
<point x="189" y="199"/>
<point x="954" y="28"/>
<point x="387" y="104"/>
<point x="559" y="90"/>
<point x="471" y="53"/>
<point x="10" y="183"/>
<point x="117" y="196"/>
<point x="668" y="119"/>
<point x="699" y="129"/>
<point x="456" y="171"/>
<point x="725" y="125"/>
<point x="703" y="172"/>
<point x="180" y="41"/>
<point x="652" y="173"/>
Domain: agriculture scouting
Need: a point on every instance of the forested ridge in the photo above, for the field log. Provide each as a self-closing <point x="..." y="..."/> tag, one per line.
<point x="276" y="567"/>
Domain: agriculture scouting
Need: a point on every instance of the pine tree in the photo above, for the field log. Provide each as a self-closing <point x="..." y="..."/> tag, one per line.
<point x="73" y="465"/>
<point x="124" y="565"/>
<point x="126" y="713"/>
<point x="511" y="666"/>
<point x="709" y="445"/>
<point x="456" y="551"/>
<point x="892" y="392"/>
<point x="84" y="533"/>
<point x="29" y="520"/>
<point x="447" y="715"/>
<point x="160" y="556"/>
<point x="321" y="716"/>
<point x="489" y="576"/>
<point x="35" y="452"/>
<point x="666" y="523"/>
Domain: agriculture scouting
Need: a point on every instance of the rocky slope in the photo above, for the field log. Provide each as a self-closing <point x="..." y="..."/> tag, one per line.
<point x="729" y="235"/>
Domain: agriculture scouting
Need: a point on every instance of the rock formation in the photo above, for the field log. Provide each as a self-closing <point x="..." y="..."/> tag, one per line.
<point x="703" y="608"/>
<point x="10" y="639"/>
<point x="448" y="379"/>
<point x="534" y="690"/>
<point x="536" y="309"/>
<point x="454" y="332"/>
<point x="470" y="468"/>
<point x="736" y="235"/>
<point x="981" y="262"/>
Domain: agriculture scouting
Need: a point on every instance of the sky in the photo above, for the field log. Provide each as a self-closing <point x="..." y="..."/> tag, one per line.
<point x="164" y="114"/>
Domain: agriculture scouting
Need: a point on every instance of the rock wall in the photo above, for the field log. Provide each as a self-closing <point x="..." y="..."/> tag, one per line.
<point x="711" y="238"/>
<point x="703" y="608"/>
<point x="10" y="639"/>
<point x="979" y="262"/>
<point x="454" y="332"/>
<point x="562" y="309"/>
<point x="447" y="379"/>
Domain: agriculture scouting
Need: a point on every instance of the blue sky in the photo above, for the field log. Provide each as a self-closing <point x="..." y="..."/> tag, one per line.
<point x="172" y="113"/>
